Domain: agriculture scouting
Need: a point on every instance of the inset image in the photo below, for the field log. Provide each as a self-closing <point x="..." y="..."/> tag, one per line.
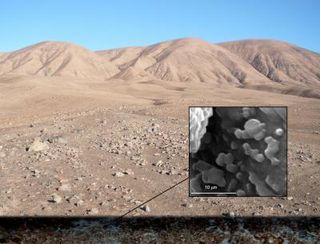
<point x="238" y="151"/>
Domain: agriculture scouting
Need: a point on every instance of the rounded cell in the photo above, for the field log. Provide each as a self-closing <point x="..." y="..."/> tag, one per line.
<point x="232" y="168"/>
<point x="279" y="132"/>
<point x="259" y="158"/>
<point x="241" y="193"/>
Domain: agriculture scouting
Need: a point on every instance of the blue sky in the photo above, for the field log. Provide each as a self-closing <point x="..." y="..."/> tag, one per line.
<point x="108" y="24"/>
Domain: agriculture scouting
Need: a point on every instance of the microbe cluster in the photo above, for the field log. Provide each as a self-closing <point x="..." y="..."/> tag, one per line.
<point x="238" y="151"/>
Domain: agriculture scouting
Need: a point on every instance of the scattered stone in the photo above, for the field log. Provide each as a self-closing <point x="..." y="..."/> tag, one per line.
<point x="35" y="173"/>
<point x="93" y="211"/>
<point x="290" y="198"/>
<point x="186" y="205"/>
<point x="158" y="164"/>
<point x="128" y="172"/>
<point x="118" y="174"/>
<point x="104" y="122"/>
<point x="55" y="198"/>
<point x="43" y="130"/>
<point x="280" y="205"/>
<point x="79" y="203"/>
<point x="2" y="154"/>
<point x="75" y="200"/>
<point x="230" y="214"/>
<point x="37" y="146"/>
<point x="146" y="208"/>
<point x="64" y="187"/>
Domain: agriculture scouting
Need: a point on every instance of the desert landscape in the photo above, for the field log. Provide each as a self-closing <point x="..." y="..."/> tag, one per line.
<point x="88" y="133"/>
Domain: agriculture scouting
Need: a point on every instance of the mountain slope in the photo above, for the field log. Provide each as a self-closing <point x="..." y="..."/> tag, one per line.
<point x="185" y="60"/>
<point x="279" y="61"/>
<point x="56" y="59"/>
<point x="255" y="64"/>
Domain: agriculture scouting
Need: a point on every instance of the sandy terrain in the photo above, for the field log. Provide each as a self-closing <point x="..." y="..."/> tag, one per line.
<point x="73" y="145"/>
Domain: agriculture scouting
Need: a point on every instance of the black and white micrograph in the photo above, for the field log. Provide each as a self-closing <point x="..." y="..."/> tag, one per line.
<point x="238" y="151"/>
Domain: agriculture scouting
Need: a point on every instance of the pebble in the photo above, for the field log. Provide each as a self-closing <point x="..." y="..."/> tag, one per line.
<point x="93" y="211"/>
<point x="35" y="173"/>
<point x="128" y="172"/>
<point x="186" y="205"/>
<point x="56" y="198"/>
<point x="64" y="187"/>
<point x="2" y="154"/>
<point x="146" y="208"/>
<point x="290" y="198"/>
<point x="75" y="200"/>
<point x="118" y="174"/>
<point x="230" y="214"/>
<point x="158" y="164"/>
<point x="280" y="205"/>
<point x="38" y="145"/>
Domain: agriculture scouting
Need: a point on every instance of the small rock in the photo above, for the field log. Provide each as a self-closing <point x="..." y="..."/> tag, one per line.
<point x="280" y="205"/>
<point x="79" y="203"/>
<point x="128" y="172"/>
<point x="155" y="125"/>
<point x="118" y="174"/>
<point x="55" y="198"/>
<point x="186" y="205"/>
<point x="38" y="145"/>
<point x="93" y="211"/>
<point x="146" y="208"/>
<point x="230" y="214"/>
<point x="158" y="164"/>
<point x="2" y="154"/>
<point x="290" y="198"/>
<point x="75" y="200"/>
<point x="35" y="173"/>
<point x="64" y="187"/>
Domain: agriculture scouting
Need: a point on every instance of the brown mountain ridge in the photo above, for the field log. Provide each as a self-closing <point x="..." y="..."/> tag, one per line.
<point x="255" y="64"/>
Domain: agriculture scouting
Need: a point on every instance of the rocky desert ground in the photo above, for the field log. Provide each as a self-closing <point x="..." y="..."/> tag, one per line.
<point x="98" y="133"/>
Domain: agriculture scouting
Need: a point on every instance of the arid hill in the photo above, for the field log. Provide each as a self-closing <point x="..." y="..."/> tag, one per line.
<point x="255" y="64"/>
<point x="185" y="60"/>
<point x="56" y="59"/>
<point x="280" y="61"/>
